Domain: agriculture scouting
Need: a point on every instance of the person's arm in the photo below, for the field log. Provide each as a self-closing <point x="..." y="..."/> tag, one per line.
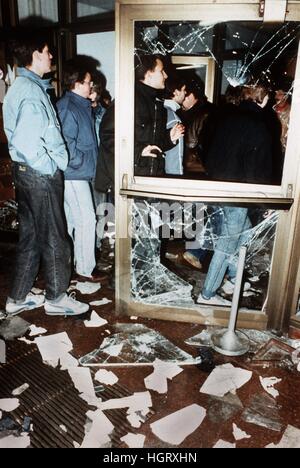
<point x="70" y="130"/>
<point x="28" y="137"/>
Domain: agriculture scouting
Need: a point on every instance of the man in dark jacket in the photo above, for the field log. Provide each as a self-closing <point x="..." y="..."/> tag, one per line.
<point x="151" y="136"/>
<point x="75" y="113"/>
<point x="240" y="151"/>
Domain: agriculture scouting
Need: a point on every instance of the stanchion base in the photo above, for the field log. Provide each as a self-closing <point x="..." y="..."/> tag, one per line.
<point x="230" y="343"/>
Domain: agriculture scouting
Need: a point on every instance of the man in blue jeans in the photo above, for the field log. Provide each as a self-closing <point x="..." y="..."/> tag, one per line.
<point x="39" y="156"/>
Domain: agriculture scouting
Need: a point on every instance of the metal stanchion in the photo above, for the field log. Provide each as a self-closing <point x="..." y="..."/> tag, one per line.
<point x="232" y="342"/>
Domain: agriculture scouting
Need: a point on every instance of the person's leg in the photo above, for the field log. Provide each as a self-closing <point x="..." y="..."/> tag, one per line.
<point x="29" y="198"/>
<point x="79" y="205"/>
<point x="54" y="240"/>
<point x="231" y="229"/>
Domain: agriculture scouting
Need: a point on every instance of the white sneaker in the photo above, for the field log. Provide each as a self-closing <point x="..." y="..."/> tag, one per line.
<point x="66" y="306"/>
<point x="32" y="301"/>
<point x="228" y="287"/>
<point x="215" y="300"/>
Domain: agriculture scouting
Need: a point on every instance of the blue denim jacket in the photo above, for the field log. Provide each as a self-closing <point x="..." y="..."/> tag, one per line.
<point x="75" y="114"/>
<point x="31" y="125"/>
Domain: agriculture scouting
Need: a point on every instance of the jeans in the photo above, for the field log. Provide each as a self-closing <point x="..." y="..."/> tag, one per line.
<point x="43" y="238"/>
<point x="81" y="220"/>
<point x="233" y="234"/>
<point x="212" y="231"/>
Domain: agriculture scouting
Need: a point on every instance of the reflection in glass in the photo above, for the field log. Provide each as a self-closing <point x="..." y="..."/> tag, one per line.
<point x="246" y="54"/>
<point x="94" y="7"/>
<point x="163" y="233"/>
<point x="28" y="10"/>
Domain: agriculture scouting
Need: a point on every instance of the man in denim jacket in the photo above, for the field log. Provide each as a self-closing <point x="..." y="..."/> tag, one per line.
<point x="39" y="156"/>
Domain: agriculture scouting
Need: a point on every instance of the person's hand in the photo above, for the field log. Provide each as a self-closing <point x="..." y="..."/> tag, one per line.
<point x="176" y="132"/>
<point x="151" y="151"/>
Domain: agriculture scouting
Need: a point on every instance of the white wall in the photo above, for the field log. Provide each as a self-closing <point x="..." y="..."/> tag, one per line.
<point x="100" y="46"/>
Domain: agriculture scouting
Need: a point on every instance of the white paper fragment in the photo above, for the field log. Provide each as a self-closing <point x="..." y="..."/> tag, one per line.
<point x="95" y="321"/>
<point x="67" y="361"/>
<point x="25" y="340"/>
<point x="239" y="434"/>
<point x="34" y="331"/>
<point x="223" y="444"/>
<point x="82" y="379"/>
<point x="135" y="420"/>
<point x="137" y="402"/>
<point x="13" y="442"/>
<point x="162" y="371"/>
<point x="18" y="391"/>
<point x="108" y="332"/>
<point x="37" y="291"/>
<point x="0" y="415"/>
<point x="88" y="288"/>
<point x="63" y="428"/>
<point x="134" y="440"/>
<point x="9" y="404"/>
<point x="186" y="421"/>
<point x="224" y="379"/>
<point x="268" y="384"/>
<point x="76" y="445"/>
<point x="106" y="377"/>
<point x="97" y="433"/>
<point x="290" y="439"/>
<point x="103" y="301"/>
<point x="54" y="347"/>
<point x="133" y="317"/>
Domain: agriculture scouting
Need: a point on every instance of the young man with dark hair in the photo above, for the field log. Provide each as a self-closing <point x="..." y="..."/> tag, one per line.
<point x="75" y="114"/>
<point x="151" y="135"/>
<point x="39" y="156"/>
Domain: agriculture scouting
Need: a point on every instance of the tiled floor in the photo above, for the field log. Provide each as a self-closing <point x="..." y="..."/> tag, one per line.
<point x="183" y="390"/>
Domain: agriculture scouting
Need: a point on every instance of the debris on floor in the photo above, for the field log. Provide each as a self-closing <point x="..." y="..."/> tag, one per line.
<point x="95" y="321"/>
<point x="106" y="377"/>
<point x="263" y="411"/>
<point x="224" y="379"/>
<point x="2" y="352"/>
<point x="56" y="348"/>
<point x="140" y="346"/>
<point x="9" y="404"/>
<point x="15" y="442"/>
<point x="83" y="382"/>
<point x="35" y="331"/>
<point x="103" y="301"/>
<point x="268" y="385"/>
<point x="97" y="430"/>
<point x="222" y="444"/>
<point x="18" y="391"/>
<point x="290" y="439"/>
<point x="186" y="421"/>
<point x="238" y="434"/>
<point x="134" y="440"/>
<point x="12" y="328"/>
<point x="158" y="380"/>
<point x="87" y="288"/>
<point x="221" y="409"/>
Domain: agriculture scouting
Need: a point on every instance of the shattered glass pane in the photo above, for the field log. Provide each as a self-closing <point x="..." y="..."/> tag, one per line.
<point x="157" y="226"/>
<point x="243" y="52"/>
<point x="265" y="412"/>
<point x="138" y="345"/>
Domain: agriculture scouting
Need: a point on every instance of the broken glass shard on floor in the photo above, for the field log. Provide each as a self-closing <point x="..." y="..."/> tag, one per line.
<point x="138" y="345"/>
<point x="263" y="411"/>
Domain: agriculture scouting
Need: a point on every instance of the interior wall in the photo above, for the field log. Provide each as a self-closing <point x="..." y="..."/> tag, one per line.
<point x="100" y="46"/>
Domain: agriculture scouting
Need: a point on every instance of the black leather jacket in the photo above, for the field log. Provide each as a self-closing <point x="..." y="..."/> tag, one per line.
<point x="150" y="129"/>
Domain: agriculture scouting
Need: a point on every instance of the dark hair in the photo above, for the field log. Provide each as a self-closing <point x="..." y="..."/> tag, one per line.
<point x="196" y="87"/>
<point x="144" y="63"/>
<point x="23" y="48"/>
<point x="74" y="72"/>
<point x="105" y="98"/>
<point x="233" y="95"/>
<point x="173" y="83"/>
<point x="98" y="89"/>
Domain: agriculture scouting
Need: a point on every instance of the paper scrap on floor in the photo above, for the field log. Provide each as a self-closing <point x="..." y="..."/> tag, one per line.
<point x="9" y="404"/>
<point x="268" y="385"/>
<point x="103" y="301"/>
<point x="134" y="440"/>
<point x="54" y="348"/>
<point x="224" y="379"/>
<point x="97" y="430"/>
<point x="18" y="391"/>
<point x="238" y="434"/>
<point x="157" y="381"/>
<point x="23" y="441"/>
<point x="106" y="377"/>
<point x="186" y="421"/>
<point x="83" y="382"/>
<point x="34" y="331"/>
<point x="95" y="321"/>
<point x="290" y="439"/>
<point x="88" y="288"/>
<point x="221" y="444"/>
